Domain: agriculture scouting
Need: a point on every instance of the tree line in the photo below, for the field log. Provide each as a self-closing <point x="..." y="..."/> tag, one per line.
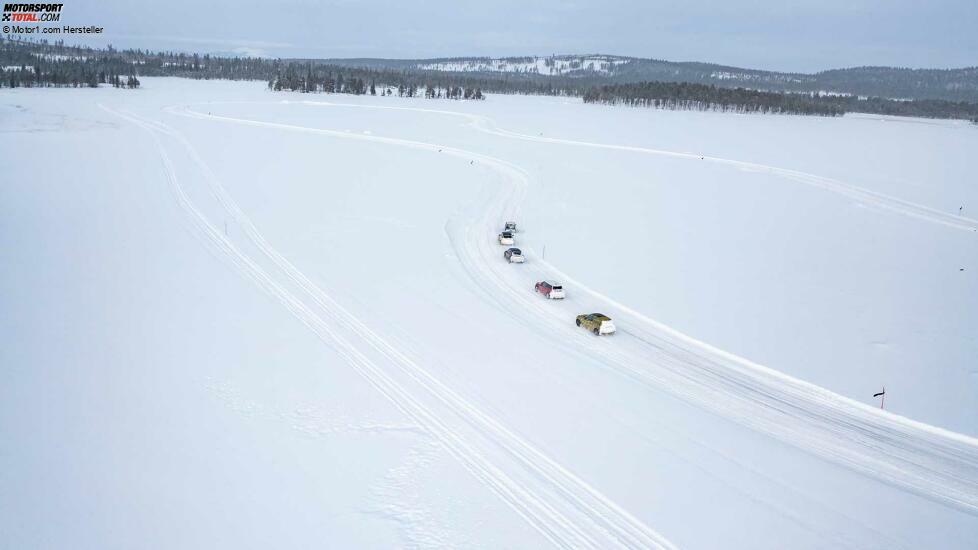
<point x="890" y="82"/>
<point x="43" y="63"/>
<point x="61" y="76"/>
<point x="701" y="97"/>
<point x="24" y="68"/>
<point x="55" y="63"/>
<point x="330" y="79"/>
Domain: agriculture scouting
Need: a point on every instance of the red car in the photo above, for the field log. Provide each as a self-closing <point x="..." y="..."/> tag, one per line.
<point x="550" y="290"/>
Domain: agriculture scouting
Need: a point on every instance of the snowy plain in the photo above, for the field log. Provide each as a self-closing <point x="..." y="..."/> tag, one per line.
<point x="237" y="318"/>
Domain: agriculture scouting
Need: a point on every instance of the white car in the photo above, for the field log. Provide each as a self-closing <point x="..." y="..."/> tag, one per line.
<point x="510" y="226"/>
<point x="506" y="238"/>
<point x="514" y="256"/>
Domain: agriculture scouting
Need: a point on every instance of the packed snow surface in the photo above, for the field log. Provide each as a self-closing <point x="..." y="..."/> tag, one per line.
<point x="242" y="319"/>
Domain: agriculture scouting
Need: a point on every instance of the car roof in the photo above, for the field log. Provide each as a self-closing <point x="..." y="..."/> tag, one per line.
<point x="516" y="250"/>
<point x="601" y="316"/>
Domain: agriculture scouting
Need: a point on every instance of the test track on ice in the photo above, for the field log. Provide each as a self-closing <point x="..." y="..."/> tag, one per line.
<point x="865" y="196"/>
<point x="561" y="506"/>
<point x="926" y="460"/>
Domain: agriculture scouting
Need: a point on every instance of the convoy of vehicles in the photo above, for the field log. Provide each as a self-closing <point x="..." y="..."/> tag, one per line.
<point x="598" y="323"/>
<point x="550" y="290"/>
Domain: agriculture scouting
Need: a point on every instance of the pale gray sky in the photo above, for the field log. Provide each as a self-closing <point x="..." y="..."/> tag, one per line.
<point x="779" y="35"/>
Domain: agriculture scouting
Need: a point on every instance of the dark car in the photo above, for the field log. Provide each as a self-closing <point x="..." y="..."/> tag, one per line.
<point x="514" y="256"/>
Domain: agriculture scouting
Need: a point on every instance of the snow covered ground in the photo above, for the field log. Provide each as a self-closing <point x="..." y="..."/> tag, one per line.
<point x="234" y="318"/>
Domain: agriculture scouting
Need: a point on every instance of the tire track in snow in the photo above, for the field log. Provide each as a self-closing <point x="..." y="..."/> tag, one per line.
<point x="860" y="194"/>
<point x="926" y="460"/>
<point x="563" y="534"/>
<point x="564" y="508"/>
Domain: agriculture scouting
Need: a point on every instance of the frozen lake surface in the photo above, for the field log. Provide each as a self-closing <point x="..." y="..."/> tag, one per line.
<point x="243" y="319"/>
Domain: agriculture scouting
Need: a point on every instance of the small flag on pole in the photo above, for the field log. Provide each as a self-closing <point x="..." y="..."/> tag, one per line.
<point x="882" y="396"/>
<point x="879" y="394"/>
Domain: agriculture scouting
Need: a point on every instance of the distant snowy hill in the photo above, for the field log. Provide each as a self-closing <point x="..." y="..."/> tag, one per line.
<point x="891" y="82"/>
<point x="553" y="65"/>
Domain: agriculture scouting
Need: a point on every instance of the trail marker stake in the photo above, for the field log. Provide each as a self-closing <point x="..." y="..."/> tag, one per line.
<point x="882" y="396"/>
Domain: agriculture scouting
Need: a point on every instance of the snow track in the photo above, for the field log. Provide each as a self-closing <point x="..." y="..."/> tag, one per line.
<point x="562" y="507"/>
<point x="862" y="195"/>
<point x="929" y="461"/>
<point x="923" y="459"/>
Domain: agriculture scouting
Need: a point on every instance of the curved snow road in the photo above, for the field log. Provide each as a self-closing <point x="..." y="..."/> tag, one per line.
<point x="929" y="461"/>
<point x="864" y="196"/>
<point x="562" y="507"/>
